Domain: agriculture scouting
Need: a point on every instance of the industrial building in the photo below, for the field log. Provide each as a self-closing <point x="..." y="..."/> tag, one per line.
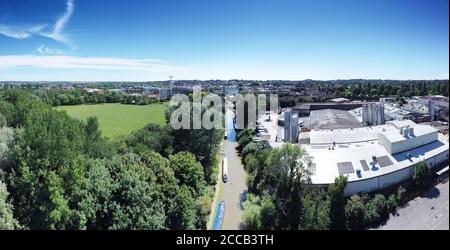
<point x="229" y="90"/>
<point x="438" y="109"/>
<point x="304" y="109"/>
<point x="372" y="157"/>
<point x="332" y="119"/>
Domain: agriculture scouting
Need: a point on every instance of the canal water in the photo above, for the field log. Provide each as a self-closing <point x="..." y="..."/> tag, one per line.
<point x="231" y="133"/>
<point x="234" y="191"/>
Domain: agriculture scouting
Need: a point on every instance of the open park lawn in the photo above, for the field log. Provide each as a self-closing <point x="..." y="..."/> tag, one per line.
<point x="119" y="119"/>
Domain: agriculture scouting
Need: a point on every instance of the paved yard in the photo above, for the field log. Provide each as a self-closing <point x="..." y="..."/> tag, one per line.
<point x="428" y="212"/>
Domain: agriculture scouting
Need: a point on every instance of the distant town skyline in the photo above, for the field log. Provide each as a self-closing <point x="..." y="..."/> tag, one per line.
<point x="140" y="40"/>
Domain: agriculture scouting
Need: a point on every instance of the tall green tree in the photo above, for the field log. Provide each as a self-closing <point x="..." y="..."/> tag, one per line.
<point x="151" y="138"/>
<point x="182" y="214"/>
<point x="355" y="213"/>
<point x="189" y="172"/>
<point x="316" y="214"/>
<point x="136" y="202"/>
<point x="337" y="203"/>
<point x="93" y="197"/>
<point x="7" y="220"/>
<point x="95" y="145"/>
<point x="288" y="171"/>
<point x="421" y="176"/>
<point x="50" y="166"/>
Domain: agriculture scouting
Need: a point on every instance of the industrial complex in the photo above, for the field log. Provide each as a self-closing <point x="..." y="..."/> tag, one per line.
<point x="356" y="140"/>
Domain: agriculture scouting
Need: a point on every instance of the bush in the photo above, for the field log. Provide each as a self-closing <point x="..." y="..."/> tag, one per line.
<point x="268" y="214"/>
<point x="392" y="203"/>
<point x="252" y="213"/>
<point x="376" y="210"/>
<point x="2" y="120"/>
<point x="245" y="137"/>
<point x="401" y="195"/>
<point x="355" y="212"/>
<point x="250" y="148"/>
<point x="421" y="176"/>
<point x="336" y="197"/>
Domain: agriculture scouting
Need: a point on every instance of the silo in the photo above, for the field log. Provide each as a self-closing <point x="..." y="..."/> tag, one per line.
<point x="365" y="113"/>
<point x="431" y="109"/>
<point x="294" y="128"/>
<point x="287" y="125"/>
<point x="382" y="118"/>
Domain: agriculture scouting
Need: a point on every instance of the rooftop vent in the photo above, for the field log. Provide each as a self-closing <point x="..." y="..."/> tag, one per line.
<point x="358" y="172"/>
<point x="411" y="131"/>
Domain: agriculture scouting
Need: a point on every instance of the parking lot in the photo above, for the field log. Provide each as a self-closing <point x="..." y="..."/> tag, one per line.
<point x="427" y="212"/>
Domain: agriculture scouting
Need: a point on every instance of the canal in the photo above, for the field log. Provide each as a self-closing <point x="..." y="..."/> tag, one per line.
<point x="234" y="191"/>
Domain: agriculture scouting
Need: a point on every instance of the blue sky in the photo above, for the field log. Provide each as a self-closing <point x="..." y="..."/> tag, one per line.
<point x="140" y="40"/>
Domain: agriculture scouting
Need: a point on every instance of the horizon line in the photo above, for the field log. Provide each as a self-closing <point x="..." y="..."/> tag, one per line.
<point x="231" y="79"/>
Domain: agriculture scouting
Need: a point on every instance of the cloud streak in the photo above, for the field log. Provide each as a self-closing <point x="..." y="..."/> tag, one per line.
<point x="94" y="63"/>
<point x="48" y="51"/>
<point x="20" y="33"/>
<point x="14" y="33"/>
<point x="55" y="33"/>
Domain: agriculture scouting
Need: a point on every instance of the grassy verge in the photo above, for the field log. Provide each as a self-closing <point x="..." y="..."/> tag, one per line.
<point x="219" y="193"/>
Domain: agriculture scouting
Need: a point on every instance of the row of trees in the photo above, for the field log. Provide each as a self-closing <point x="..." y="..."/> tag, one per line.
<point x="365" y="90"/>
<point x="59" y="173"/>
<point x="361" y="90"/>
<point x="58" y="97"/>
<point x="375" y="90"/>
<point x="282" y="197"/>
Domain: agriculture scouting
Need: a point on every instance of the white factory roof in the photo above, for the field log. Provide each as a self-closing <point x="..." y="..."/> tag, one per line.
<point x="326" y="160"/>
<point x="340" y="136"/>
<point x="402" y="123"/>
<point x="356" y="147"/>
<point x="419" y="130"/>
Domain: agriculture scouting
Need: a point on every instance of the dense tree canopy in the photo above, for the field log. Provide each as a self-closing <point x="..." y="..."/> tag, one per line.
<point x="7" y="220"/>
<point x="60" y="173"/>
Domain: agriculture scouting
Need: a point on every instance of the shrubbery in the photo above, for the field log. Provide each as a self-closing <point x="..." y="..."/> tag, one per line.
<point x="421" y="176"/>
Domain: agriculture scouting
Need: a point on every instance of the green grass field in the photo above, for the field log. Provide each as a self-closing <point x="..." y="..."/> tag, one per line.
<point x="119" y="119"/>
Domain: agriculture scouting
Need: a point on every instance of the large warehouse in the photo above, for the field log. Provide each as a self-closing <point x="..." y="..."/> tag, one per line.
<point x="332" y="119"/>
<point x="373" y="157"/>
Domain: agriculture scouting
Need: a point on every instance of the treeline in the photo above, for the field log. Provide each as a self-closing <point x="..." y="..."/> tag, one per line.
<point x="77" y="96"/>
<point x="281" y="195"/>
<point x="370" y="90"/>
<point x="373" y="91"/>
<point x="57" y="172"/>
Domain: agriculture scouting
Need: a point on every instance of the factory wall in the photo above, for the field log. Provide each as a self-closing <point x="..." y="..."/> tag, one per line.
<point x="437" y="160"/>
<point x="414" y="142"/>
<point x="393" y="178"/>
<point x="366" y="186"/>
<point x="383" y="141"/>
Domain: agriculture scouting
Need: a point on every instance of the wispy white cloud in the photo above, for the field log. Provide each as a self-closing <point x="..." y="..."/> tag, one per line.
<point x="20" y="32"/>
<point x="48" y="51"/>
<point x="97" y="63"/>
<point x="14" y="33"/>
<point x="57" y="32"/>
<point x="54" y="32"/>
